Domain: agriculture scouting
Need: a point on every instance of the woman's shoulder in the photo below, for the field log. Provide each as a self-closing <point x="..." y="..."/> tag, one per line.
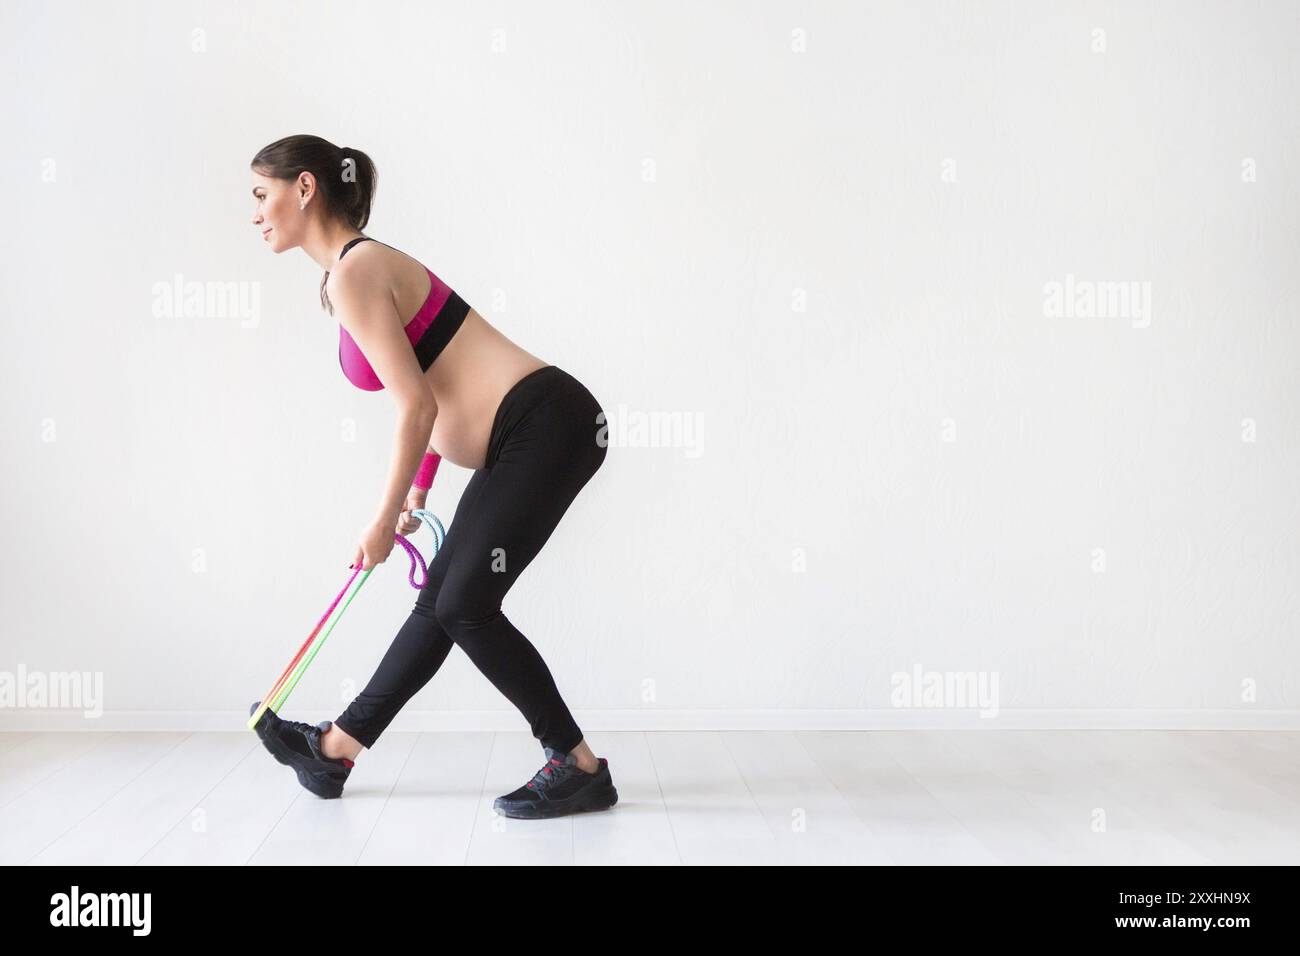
<point x="376" y="255"/>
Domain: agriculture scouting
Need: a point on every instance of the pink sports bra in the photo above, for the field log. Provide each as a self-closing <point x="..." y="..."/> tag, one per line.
<point x="429" y="331"/>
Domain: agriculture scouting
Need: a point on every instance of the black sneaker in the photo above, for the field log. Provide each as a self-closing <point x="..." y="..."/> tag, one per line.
<point x="560" y="788"/>
<point x="297" y="745"/>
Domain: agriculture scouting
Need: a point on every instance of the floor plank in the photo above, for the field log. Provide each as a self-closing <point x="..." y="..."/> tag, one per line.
<point x="123" y="828"/>
<point x="714" y="816"/>
<point x="59" y="802"/>
<point x="429" y="815"/>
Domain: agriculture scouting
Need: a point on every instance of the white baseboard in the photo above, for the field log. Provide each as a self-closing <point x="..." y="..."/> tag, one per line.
<point x="649" y="719"/>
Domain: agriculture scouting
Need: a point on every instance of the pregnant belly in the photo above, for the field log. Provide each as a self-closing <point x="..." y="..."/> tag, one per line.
<point x="469" y="381"/>
<point x="460" y="434"/>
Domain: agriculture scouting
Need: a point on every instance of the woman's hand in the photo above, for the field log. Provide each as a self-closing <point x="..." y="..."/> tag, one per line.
<point x="406" y="521"/>
<point x="374" y="547"/>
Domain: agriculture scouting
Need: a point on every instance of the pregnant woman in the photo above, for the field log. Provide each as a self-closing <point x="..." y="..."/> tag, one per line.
<point x="530" y="431"/>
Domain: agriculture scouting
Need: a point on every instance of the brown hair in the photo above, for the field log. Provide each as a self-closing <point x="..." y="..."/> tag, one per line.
<point x="348" y="188"/>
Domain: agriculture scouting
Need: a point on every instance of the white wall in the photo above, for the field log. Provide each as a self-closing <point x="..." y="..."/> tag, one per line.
<point x="830" y="259"/>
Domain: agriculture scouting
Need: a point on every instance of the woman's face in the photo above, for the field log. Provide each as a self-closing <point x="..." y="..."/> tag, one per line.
<point x="276" y="212"/>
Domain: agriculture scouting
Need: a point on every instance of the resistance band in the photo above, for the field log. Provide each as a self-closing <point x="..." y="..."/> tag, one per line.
<point x="274" y="700"/>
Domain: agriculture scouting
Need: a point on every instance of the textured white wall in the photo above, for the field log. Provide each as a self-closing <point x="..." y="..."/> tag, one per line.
<point x="818" y="233"/>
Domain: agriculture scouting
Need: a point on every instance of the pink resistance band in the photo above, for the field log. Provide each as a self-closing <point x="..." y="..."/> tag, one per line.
<point x="428" y="468"/>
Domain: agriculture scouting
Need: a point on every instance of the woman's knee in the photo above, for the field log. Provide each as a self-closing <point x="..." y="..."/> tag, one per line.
<point x="462" y="612"/>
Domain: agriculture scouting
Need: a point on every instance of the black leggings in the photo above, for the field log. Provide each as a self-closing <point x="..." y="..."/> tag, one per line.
<point x="543" y="449"/>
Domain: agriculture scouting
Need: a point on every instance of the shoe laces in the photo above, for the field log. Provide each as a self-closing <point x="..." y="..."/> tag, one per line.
<point x="309" y="731"/>
<point x="297" y="725"/>
<point x="547" y="775"/>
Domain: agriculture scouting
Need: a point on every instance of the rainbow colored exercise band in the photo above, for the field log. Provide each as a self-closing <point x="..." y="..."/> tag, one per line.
<point x="289" y="679"/>
<point x="284" y="685"/>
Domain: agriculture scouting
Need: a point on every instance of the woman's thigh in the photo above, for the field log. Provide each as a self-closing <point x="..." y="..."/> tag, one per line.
<point x="545" y="461"/>
<point x="438" y="567"/>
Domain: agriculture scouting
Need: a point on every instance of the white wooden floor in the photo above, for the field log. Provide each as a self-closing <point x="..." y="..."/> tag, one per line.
<point x="893" y="797"/>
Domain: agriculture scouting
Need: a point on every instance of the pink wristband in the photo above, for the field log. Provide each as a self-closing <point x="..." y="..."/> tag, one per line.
<point x="428" y="468"/>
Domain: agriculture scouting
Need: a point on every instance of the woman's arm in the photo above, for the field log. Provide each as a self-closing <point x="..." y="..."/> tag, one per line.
<point x="364" y="306"/>
<point x="413" y="427"/>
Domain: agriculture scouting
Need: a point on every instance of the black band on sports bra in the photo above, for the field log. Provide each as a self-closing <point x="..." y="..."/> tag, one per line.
<point x="352" y="243"/>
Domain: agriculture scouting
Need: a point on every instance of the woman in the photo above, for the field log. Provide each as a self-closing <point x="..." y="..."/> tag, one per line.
<point x="530" y="431"/>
